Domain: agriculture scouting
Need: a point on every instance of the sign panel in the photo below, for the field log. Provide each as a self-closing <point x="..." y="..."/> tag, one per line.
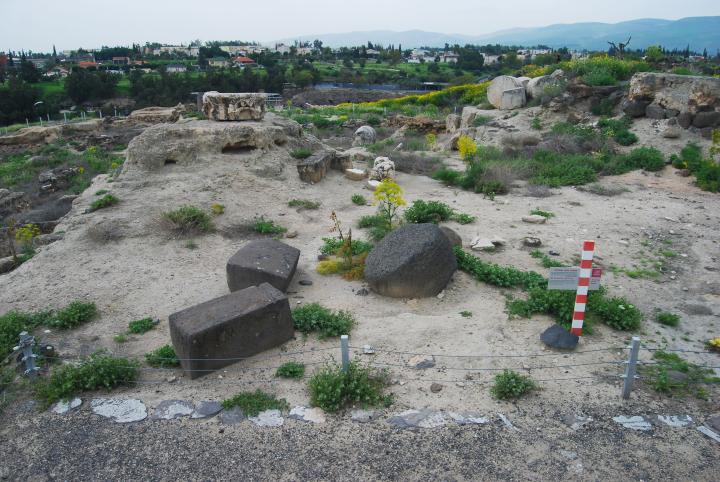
<point x="567" y="279"/>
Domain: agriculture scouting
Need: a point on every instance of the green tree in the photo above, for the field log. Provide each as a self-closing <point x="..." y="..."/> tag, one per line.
<point x="654" y="54"/>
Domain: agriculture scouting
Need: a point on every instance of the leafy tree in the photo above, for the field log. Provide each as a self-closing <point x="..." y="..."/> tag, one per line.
<point x="654" y="54"/>
<point x="83" y="85"/>
<point x="17" y="101"/>
<point x="29" y="73"/>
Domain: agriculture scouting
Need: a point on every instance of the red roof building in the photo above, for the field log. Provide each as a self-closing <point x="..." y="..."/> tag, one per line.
<point x="87" y="64"/>
<point x="244" y="60"/>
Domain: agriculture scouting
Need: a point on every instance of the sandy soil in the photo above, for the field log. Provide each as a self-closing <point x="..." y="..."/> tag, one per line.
<point x="145" y="273"/>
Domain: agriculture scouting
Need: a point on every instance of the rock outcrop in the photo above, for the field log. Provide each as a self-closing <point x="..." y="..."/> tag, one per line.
<point x="414" y="261"/>
<point x="506" y="93"/>
<point x="233" y="107"/>
<point x="363" y="136"/>
<point x="48" y="134"/>
<point x="185" y="143"/>
<point x="314" y="168"/>
<point x="156" y="115"/>
<point x="383" y="168"/>
<point x="660" y="95"/>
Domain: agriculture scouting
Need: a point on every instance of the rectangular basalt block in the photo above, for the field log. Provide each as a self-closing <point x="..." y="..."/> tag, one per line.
<point x="223" y="331"/>
<point x="262" y="261"/>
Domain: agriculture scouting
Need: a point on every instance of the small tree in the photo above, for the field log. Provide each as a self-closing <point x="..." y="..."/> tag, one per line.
<point x="654" y="54"/>
<point x="389" y="195"/>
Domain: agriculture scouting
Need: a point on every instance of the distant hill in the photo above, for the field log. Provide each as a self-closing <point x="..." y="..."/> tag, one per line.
<point x="698" y="32"/>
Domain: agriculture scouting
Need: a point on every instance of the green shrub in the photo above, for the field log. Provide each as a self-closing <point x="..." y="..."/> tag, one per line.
<point x="603" y="108"/>
<point x="101" y="192"/>
<point x="545" y="260"/>
<point x="536" y="124"/>
<point x="75" y="314"/>
<point x="303" y="204"/>
<point x="291" y="370"/>
<point x="428" y="212"/>
<point x="481" y="120"/>
<point x="331" y="246"/>
<point x="138" y="327"/>
<point x="691" y="157"/>
<point x="189" y="219"/>
<point x="252" y="403"/>
<point x="647" y="158"/>
<point x="617" y="313"/>
<point x="120" y="339"/>
<point x="448" y="176"/>
<point x="510" y="385"/>
<point x="708" y="176"/>
<point x="359" y="200"/>
<point x="667" y="319"/>
<point x="599" y="76"/>
<point x="545" y="214"/>
<point x="11" y="325"/>
<point x="314" y="317"/>
<point x="671" y="374"/>
<point x="267" y="226"/>
<point x="106" y="201"/>
<point x="462" y="218"/>
<point x="95" y="372"/>
<point x="506" y="277"/>
<point x="333" y="389"/>
<point x="626" y="138"/>
<point x="301" y="153"/>
<point x="163" y="357"/>
<point x="378" y="226"/>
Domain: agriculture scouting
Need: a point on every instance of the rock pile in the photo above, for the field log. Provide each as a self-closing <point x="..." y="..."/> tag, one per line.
<point x="233" y="107"/>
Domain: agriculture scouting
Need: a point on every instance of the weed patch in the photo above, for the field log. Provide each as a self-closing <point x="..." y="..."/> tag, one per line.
<point x="106" y="201"/>
<point x="267" y="226"/>
<point x="252" y="403"/>
<point x="303" y="204"/>
<point x="333" y="389"/>
<point x="291" y="370"/>
<point x="673" y="375"/>
<point x="314" y="317"/>
<point x="139" y="327"/>
<point x="188" y="220"/>
<point x="510" y="385"/>
<point x="163" y="357"/>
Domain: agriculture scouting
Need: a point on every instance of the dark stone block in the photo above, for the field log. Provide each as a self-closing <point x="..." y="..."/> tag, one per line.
<point x="635" y="108"/>
<point x="558" y="337"/>
<point x="685" y="119"/>
<point x="453" y="237"/>
<point x="706" y="119"/>
<point x="222" y="331"/>
<point x="414" y="261"/>
<point x="262" y="261"/>
<point x="314" y="168"/>
<point x="654" y="111"/>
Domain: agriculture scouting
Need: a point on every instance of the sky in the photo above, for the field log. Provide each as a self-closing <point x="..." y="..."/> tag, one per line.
<point x="37" y="25"/>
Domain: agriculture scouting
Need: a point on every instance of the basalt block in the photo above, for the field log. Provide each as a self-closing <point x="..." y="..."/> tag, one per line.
<point x="262" y="261"/>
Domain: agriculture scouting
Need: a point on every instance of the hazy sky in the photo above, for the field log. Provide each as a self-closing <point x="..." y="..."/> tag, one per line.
<point x="38" y="24"/>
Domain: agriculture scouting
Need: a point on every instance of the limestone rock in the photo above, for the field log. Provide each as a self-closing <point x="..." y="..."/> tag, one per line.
<point x="672" y="132"/>
<point x="363" y="136"/>
<point x="355" y="174"/>
<point x="467" y="117"/>
<point x="119" y="410"/>
<point x="357" y="154"/>
<point x="534" y="219"/>
<point x="64" y="406"/>
<point x="233" y="106"/>
<point x="524" y="80"/>
<point x="539" y="86"/>
<point x="372" y="184"/>
<point x="206" y="409"/>
<point x="383" y="168"/>
<point x="219" y="332"/>
<point x="496" y="92"/>
<point x="156" y="115"/>
<point x="468" y="418"/>
<point x="7" y="264"/>
<point x="452" y="123"/>
<point x="31" y="135"/>
<point x="414" y="261"/>
<point x="532" y="242"/>
<point x="425" y="418"/>
<point x="171" y="409"/>
<point x="262" y="261"/>
<point x="364" y="416"/>
<point x="185" y="144"/>
<point x="654" y="111"/>
<point x="12" y="202"/>
<point x="309" y="415"/>
<point x="676" y="92"/>
<point x="268" y="418"/>
<point x="314" y="168"/>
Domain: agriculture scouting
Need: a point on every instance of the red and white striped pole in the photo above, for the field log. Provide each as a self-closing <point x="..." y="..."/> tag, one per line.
<point x="581" y="295"/>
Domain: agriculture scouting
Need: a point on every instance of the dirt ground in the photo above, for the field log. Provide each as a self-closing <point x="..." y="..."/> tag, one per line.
<point x="142" y="272"/>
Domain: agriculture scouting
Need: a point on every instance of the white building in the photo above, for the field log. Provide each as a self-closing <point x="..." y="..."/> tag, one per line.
<point x="490" y="59"/>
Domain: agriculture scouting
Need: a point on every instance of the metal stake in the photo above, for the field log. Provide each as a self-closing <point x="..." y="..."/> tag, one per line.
<point x="345" y="352"/>
<point x="27" y="342"/>
<point x="631" y="367"/>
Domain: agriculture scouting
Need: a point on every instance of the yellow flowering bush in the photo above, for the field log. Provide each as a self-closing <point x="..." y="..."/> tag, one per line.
<point x="467" y="148"/>
<point x="25" y="234"/>
<point x="389" y="196"/>
<point x="430" y="140"/>
<point x="714" y="344"/>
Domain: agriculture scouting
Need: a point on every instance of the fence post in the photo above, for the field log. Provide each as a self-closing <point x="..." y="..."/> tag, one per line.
<point x="631" y="367"/>
<point x="27" y="342"/>
<point x="345" y="352"/>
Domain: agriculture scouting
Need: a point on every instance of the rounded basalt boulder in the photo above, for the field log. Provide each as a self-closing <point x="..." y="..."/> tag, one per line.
<point x="414" y="261"/>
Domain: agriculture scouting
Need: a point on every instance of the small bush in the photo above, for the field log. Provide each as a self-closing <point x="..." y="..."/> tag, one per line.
<point x="138" y="327"/>
<point x="252" y="403"/>
<point x="267" y="226"/>
<point x="101" y="192"/>
<point x="359" y="199"/>
<point x="378" y="225"/>
<point x="163" y="357"/>
<point x="617" y="313"/>
<point x="189" y="220"/>
<point x="510" y="385"/>
<point x="536" y="124"/>
<point x="647" y="158"/>
<point x="120" y="339"/>
<point x="466" y="314"/>
<point x="303" y="204"/>
<point x="301" y="153"/>
<point x="332" y="246"/>
<point x="467" y="147"/>
<point x="671" y="374"/>
<point x="315" y="317"/>
<point x="333" y="389"/>
<point x="291" y="370"/>
<point x="667" y="319"/>
<point x="626" y="138"/>
<point x="428" y="212"/>
<point x="106" y="201"/>
<point x="545" y="214"/>
<point x="75" y="314"/>
<point x="217" y="209"/>
<point x="506" y="277"/>
<point x="462" y="218"/>
<point x="97" y="371"/>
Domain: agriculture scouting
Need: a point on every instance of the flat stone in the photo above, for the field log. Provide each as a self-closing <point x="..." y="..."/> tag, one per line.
<point x="372" y="184"/>
<point x="364" y="416"/>
<point x="219" y="332"/>
<point x="633" y="423"/>
<point x="421" y="362"/>
<point x="268" y="418"/>
<point x="171" y="409"/>
<point x="676" y="421"/>
<point x="576" y="422"/>
<point x="355" y="174"/>
<point x="64" y="406"/>
<point x="262" y="261"/>
<point x="436" y="388"/>
<point x="534" y="219"/>
<point x="425" y="418"/>
<point x="468" y="418"/>
<point x="206" y="409"/>
<point x="232" y="416"/>
<point x="714" y="423"/>
<point x="310" y="415"/>
<point x="558" y="337"/>
<point x="710" y="433"/>
<point x="482" y="244"/>
<point x="368" y="350"/>
<point x="119" y="410"/>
